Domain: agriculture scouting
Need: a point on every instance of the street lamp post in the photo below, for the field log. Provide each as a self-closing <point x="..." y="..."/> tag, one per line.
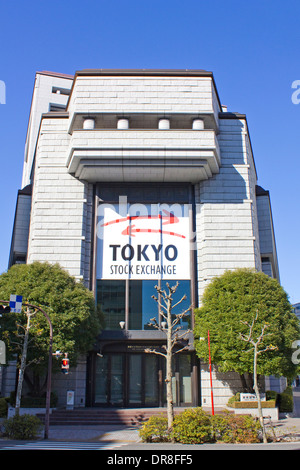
<point x="210" y="375"/>
<point x="48" y="393"/>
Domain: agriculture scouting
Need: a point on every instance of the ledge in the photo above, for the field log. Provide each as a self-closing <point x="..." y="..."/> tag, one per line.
<point x="144" y="156"/>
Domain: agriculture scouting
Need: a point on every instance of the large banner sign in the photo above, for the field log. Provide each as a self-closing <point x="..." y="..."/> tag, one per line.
<point x="140" y="241"/>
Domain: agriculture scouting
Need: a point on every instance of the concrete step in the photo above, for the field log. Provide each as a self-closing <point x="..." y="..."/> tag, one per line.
<point x="92" y="416"/>
<point x="106" y="416"/>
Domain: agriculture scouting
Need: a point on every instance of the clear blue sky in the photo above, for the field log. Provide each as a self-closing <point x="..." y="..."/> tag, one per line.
<point x="251" y="47"/>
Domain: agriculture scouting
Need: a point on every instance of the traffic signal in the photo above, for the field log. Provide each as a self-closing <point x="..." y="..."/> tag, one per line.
<point x="4" y="309"/>
<point x="65" y="364"/>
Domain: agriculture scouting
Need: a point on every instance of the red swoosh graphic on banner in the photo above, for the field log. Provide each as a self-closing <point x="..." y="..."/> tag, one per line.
<point x="167" y="219"/>
<point x="131" y="230"/>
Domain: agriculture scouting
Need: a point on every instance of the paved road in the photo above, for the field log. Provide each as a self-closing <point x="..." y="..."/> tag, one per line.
<point x="54" y="445"/>
<point x="152" y="451"/>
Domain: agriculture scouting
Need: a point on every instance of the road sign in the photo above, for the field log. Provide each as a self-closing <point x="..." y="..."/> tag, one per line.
<point x="15" y="303"/>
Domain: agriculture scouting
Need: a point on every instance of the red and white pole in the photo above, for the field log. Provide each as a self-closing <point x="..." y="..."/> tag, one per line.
<point x="210" y="374"/>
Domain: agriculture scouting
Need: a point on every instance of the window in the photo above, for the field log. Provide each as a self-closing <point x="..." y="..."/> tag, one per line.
<point x="142" y="307"/>
<point x="61" y="91"/>
<point x="183" y="288"/>
<point x="112" y="298"/>
<point x="56" y="107"/>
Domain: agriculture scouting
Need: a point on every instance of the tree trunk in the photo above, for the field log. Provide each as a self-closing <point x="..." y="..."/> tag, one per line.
<point x="22" y="368"/>
<point x="244" y="383"/>
<point x="247" y="383"/>
<point x="170" y="410"/>
<point x="256" y="389"/>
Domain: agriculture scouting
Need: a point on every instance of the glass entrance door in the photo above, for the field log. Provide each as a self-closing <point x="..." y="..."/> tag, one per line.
<point x="181" y="380"/>
<point x="151" y="380"/>
<point x="135" y="379"/>
<point x="101" y="380"/>
<point x="138" y="379"/>
<point x="185" y="380"/>
<point x="116" y="379"/>
<point x="109" y="380"/>
<point x="143" y="380"/>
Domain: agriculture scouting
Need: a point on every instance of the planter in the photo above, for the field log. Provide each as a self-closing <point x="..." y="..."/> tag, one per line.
<point x="267" y="412"/>
<point x="251" y="408"/>
<point x="27" y="411"/>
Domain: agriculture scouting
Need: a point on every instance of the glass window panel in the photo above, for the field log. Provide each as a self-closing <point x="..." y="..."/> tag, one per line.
<point x="184" y="288"/>
<point x="141" y="305"/>
<point x="111" y="298"/>
<point x="135" y="305"/>
<point x="150" y="307"/>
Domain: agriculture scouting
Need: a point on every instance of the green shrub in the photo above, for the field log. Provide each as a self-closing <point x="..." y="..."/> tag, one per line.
<point x="192" y="426"/>
<point x="235" y="398"/>
<point x="34" y="402"/>
<point x="3" y="407"/>
<point x="195" y="426"/>
<point x="155" y="429"/>
<point x="285" y="401"/>
<point x="22" y="427"/>
<point x="253" y="404"/>
<point x="230" y="428"/>
<point x="271" y="395"/>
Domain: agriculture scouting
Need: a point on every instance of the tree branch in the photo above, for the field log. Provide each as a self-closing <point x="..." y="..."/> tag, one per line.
<point x="179" y="302"/>
<point x="159" y="303"/>
<point x="182" y="349"/>
<point x="153" y="351"/>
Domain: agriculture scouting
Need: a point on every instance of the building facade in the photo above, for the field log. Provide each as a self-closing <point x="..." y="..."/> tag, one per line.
<point x="296" y="308"/>
<point x="135" y="178"/>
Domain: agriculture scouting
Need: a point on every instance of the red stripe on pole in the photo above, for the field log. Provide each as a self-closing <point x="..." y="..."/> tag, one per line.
<point x="210" y="374"/>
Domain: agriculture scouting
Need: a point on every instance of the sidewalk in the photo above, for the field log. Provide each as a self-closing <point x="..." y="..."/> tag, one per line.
<point x="286" y="428"/>
<point x="289" y="427"/>
<point x="97" y="433"/>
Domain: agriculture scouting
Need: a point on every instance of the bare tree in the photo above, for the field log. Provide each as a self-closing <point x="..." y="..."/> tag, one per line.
<point x="170" y="326"/>
<point x="250" y="338"/>
<point x="23" y="364"/>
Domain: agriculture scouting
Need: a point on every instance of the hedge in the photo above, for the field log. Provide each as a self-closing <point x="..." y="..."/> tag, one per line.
<point x="253" y="404"/>
<point x="284" y="401"/>
<point x="34" y="402"/>
<point x="3" y="407"/>
<point x="195" y="426"/>
<point x="22" y="427"/>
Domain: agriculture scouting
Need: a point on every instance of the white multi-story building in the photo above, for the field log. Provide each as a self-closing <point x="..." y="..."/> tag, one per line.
<point x="296" y="308"/>
<point x="133" y="178"/>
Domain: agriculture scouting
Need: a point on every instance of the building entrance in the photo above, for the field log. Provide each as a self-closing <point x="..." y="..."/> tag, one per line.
<point x="138" y="380"/>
